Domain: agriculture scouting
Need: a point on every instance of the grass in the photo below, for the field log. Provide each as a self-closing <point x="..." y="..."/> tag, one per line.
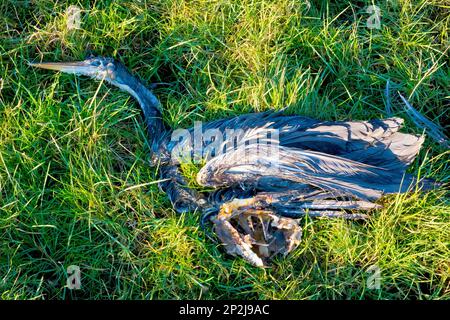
<point x="76" y="187"/>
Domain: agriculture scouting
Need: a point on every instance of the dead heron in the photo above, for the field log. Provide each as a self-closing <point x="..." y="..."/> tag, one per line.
<point x="321" y="168"/>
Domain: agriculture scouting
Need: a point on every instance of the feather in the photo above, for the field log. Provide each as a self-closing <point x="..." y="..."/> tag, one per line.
<point x="421" y="121"/>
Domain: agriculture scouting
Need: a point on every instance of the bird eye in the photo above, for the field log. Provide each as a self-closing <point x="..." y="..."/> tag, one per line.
<point x="95" y="63"/>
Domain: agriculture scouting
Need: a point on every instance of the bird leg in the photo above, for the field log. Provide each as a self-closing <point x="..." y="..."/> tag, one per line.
<point x="183" y="199"/>
<point x="296" y="204"/>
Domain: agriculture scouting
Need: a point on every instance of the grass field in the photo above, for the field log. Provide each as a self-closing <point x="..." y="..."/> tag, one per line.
<point x="76" y="187"/>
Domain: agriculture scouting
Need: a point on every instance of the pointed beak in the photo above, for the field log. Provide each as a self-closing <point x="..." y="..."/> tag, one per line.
<point x="78" y="67"/>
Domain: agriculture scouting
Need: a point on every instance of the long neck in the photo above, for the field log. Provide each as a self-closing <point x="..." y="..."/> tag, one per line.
<point x="151" y="108"/>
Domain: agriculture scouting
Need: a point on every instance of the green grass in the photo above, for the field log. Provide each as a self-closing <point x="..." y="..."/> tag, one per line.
<point x="76" y="187"/>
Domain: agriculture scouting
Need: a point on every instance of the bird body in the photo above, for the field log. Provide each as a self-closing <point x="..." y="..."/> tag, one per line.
<point x="321" y="168"/>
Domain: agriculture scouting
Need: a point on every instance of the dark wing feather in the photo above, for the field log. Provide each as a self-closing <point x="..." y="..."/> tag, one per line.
<point x="256" y="167"/>
<point x="375" y="142"/>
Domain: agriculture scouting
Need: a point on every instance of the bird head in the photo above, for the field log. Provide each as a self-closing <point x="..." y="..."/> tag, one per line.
<point x="99" y="68"/>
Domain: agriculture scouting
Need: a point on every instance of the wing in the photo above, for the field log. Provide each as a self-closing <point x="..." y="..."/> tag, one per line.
<point x="267" y="169"/>
<point x="376" y="142"/>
